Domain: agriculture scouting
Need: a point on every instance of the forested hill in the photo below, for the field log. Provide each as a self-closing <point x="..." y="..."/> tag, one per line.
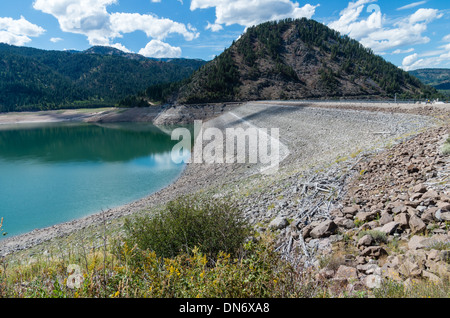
<point x="292" y="59"/>
<point x="33" y="79"/>
<point x="436" y="77"/>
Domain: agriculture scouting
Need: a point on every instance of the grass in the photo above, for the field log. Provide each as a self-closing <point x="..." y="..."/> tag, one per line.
<point x="128" y="266"/>
<point x="446" y="147"/>
<point x="257" y="273"/>
<point x="440" y="246"/>
<point x="417" y="288"/>
<point x="211" y="265"/>
<point x="378" y="236"/>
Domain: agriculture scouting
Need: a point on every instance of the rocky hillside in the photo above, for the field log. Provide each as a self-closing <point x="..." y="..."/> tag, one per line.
<point x="392" y="224"/>
<point x="295" y="59"/>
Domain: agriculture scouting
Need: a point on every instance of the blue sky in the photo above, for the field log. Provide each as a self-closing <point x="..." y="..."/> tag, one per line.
<point x="411" y="34"/>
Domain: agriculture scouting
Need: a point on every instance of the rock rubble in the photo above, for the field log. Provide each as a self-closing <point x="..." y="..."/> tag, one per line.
<point x="395" y="215"/>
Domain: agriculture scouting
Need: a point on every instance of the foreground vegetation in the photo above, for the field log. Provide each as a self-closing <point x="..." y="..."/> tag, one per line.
<point x="229" y="264"/>
<point x="169" y="255"/>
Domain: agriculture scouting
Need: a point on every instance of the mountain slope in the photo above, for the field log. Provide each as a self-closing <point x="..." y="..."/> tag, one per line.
<point x="439" y="78"/>
<point x="294" y="59"/>
<point x="32" y="79"/>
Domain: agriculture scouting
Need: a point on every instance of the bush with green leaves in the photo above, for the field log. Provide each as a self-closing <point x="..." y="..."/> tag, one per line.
<point x="446" y="147"/>
<point x="213" y="226"/>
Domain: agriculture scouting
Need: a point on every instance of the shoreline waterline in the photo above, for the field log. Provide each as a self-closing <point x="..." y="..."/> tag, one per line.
<point x="40" y="235"/>
<point x="43" y="229"/>
<point x="190" y="179"/>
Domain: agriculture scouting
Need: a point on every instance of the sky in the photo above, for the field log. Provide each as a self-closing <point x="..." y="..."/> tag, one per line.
<point x="411" y="34"/>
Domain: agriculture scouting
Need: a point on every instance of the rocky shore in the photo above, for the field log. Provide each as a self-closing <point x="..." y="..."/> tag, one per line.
<point x="382" y="215"/>
<point x="157" y="115"/>
<point x="369" y="187"/>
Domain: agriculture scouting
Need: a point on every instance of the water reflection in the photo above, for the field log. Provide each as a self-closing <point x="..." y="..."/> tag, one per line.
<point x="55" y="173"/>
<point x="82" y="142"/>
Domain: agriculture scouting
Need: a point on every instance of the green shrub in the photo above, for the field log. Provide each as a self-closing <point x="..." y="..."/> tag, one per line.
<point x="378" y="236"/>
<point x="446" y="149"/>
<point x="211" y="225"/>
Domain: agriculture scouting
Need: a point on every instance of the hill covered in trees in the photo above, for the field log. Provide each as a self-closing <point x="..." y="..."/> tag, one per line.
<point x="291" y="59"/>
<point x="33" y="79"/>
<point x="439" y="78"/>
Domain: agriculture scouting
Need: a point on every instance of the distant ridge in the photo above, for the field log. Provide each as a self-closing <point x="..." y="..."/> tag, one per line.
<point x="292" y="59"/>
<point x="439" y="78"/>
<point x="106" y="50"/>
<point x="34" y="79"/>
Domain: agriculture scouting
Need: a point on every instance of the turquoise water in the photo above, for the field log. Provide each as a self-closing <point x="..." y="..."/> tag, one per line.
<point x="54" y="173"/>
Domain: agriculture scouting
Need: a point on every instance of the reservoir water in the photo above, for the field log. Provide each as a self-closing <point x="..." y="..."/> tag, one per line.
<point x="55" y="173"/>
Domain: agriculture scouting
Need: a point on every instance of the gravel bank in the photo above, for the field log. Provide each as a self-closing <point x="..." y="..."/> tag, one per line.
<point x="315" y="137"/>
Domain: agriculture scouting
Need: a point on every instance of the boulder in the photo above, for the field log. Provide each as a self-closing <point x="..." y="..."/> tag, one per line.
<point x="352" y="210"/>
<point x="444" y="206"/>
<point x="420" y="242"/>
<point x="344" y="222"/>
<point x="417" y="242"/>
<point x="430" y="276"/>
<point x="389" y="228"/>
<point x="369" y="269"/>
<point x="374" y="251"/>
<point x="416" y="224"/>
<point x="279" y="223"/>
<point x="385" y="219"/>
<point x="431" y="194"/>
<point x="324" y="229"/>
<point x="373" y="281"/>
<point x="410" y="269"/>
<point x="403" y="220"/>
<point x="420" y="188"/>
<point x="366" y="240"/>
<point x="445" y="216"/>
<point x="367" y="216"/>
<point x="346" y="272"/>
<point x="428" y="216"/>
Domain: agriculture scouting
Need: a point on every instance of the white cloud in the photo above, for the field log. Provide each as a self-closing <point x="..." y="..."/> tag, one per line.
<point x="120" y="47"/>
<point x="411" y="5"/>
<point x="349" y="24"/>
<point x="349" y="16"/>
<point x="153" y="26"/>
<point x="159" y="49"/>
<point x="373" y="32"/>
<point x="252" y="12"/>
<point x="18" y="32"/>
<point x="87" y="17"/>
<point x="446" y="38"/>
<point x="437" y="58"/>
<point x="410" y="59"/>
<point x="91" y="18"/>
<point x="398" y="51"/>
<point x="55" y="40"/>
<point x="425" y="15"/>
<point x="214" y="27"/>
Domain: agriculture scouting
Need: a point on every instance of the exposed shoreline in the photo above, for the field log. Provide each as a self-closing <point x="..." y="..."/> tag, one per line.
<point x="192" y="179"/>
